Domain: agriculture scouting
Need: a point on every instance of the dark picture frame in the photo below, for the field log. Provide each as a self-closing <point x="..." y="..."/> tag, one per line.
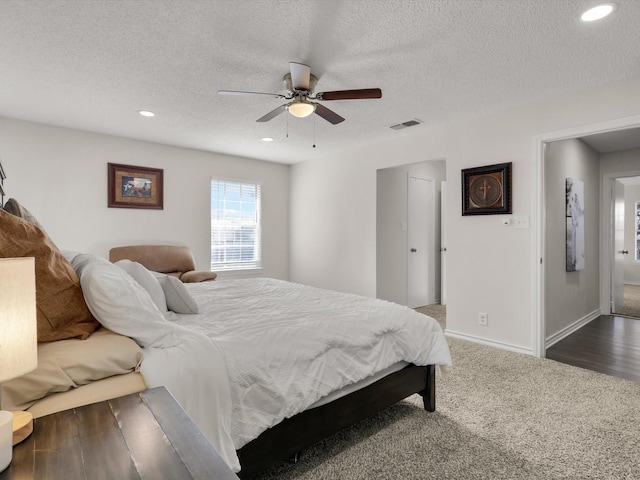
<point x="135" y="187"/>
<point x="486" y="190"/>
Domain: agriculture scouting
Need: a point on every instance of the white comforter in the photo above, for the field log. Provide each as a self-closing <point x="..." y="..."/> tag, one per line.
<point x="262" y="350"/>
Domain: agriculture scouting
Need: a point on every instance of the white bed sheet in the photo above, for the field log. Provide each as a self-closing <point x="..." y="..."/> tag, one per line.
<point x="262" y="350"/>
<point x="396" y="367"/>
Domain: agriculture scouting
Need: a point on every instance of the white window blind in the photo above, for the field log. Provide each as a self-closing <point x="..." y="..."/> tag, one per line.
<point x="235" y="225"/>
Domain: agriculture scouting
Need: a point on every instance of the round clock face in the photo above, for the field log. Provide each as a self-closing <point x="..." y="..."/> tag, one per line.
<point x="485" y="191"/>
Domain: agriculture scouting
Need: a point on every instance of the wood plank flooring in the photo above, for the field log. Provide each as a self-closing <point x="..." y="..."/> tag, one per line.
<point x="609" y="344"/>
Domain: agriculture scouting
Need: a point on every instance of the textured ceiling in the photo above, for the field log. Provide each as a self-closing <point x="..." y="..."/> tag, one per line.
<point x="93" y="64"/>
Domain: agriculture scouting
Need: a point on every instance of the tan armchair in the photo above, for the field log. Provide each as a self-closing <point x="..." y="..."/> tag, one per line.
<point x="173" y="260"/>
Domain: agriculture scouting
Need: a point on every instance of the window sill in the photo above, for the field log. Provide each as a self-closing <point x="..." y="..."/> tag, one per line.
<point x="240" y="273"/>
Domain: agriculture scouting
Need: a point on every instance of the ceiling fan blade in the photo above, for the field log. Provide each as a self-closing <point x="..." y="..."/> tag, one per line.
<point x="273" y="113"/>
<point x="300" y="75"/>
<point x="233" y="92"/>
<point x="329" y="115"/>
<point x="361" y="94"/>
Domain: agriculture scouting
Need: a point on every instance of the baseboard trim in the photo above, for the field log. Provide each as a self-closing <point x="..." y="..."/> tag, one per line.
<point x="569" y="329"/>
<point x="490" y="343"/>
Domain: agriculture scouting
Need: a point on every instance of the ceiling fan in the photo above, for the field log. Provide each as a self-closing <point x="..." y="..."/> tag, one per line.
<point x="300" y="84"/>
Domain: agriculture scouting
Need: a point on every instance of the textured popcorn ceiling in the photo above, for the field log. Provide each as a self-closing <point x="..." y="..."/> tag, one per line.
<point x="93" y="64"/>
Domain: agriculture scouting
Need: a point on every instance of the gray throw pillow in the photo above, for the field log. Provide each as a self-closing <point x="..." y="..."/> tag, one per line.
<point x="15" y="208"/>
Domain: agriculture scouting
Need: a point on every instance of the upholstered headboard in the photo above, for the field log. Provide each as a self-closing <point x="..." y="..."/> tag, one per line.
<point x="169" y="259"/>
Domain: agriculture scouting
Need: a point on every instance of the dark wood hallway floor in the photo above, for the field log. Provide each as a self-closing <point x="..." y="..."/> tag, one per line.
<point x="609" y="344"/>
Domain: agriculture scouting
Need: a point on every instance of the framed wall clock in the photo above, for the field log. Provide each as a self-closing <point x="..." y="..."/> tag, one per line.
<point x="486" y="190"/>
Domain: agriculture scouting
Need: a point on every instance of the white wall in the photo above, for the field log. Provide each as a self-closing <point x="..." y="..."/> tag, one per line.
<point x="391" y="239"/>
<point x="333" y="220"/>
<point x="60" y="175"/>
<point x="491" y="267"/>
<point x="570" y="296"/>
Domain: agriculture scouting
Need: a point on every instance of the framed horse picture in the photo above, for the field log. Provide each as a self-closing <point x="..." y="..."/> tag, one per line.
<point x="135" y="187"/>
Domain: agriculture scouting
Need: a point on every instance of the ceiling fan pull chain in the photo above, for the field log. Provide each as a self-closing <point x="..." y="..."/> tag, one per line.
<point x="314" y="132"/>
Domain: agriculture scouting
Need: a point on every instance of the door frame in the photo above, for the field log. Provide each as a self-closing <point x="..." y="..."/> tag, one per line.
<point x="607" y="242"/>
<point x="539" y="141"/>
<point x="443" y="244"/>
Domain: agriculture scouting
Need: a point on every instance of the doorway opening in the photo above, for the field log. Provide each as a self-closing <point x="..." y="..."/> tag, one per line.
<point x="624" y="262"/>
<point x="622" y="131"/>
<point x="408" y="229"/>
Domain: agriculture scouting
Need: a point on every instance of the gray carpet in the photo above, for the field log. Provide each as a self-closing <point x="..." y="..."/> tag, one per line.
<point x="437" y="311"/>
<point x="631" y="301"/>
<point x="500" y="415"/>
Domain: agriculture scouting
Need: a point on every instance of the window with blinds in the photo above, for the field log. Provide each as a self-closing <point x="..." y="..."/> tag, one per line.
<point x="235" y="225"/>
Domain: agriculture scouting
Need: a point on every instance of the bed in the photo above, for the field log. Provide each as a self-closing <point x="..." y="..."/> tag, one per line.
<point x="264" y="367"/>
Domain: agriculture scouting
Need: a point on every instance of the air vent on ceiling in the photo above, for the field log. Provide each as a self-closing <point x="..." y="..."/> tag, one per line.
<point x="410" y="123"/>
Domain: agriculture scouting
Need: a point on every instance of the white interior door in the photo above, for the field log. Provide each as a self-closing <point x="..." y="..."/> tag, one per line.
<point x="443" y="245"/>
<point x="617" y="274"/>
<point x="421" y="242"/>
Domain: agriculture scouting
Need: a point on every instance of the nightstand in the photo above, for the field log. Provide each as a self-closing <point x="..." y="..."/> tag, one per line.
<point x="142" y="435"/>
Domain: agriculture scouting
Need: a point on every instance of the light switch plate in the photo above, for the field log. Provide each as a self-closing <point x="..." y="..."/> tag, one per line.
<point x="521" y="221"/>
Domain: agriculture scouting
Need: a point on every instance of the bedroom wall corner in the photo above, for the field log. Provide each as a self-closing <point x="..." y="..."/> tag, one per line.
<point x="60" y="175"/>
<point x="491" y="267"/>
<point x="333" y="210"/>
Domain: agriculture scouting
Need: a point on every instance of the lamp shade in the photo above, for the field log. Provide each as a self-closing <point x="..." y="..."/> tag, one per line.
<point x="18" y="320"/>
<point x="301" y="109"/>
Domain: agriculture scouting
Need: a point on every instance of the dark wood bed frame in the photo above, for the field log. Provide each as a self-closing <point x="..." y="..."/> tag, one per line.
<point x="294" y="434"/>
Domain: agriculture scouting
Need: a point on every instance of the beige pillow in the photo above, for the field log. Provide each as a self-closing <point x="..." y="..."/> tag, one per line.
<point x="68" y="364"/>
<point x="62" y="311"/>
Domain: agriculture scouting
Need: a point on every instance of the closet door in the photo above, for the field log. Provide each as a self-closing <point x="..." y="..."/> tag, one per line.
<point x="421" y="242"/>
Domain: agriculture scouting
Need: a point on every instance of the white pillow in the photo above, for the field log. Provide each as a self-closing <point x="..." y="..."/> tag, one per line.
<point x="120" y="304"/>
<point x="179" y="300"/>
<point x="80" y="260"/>
<point x="147" y="280"/>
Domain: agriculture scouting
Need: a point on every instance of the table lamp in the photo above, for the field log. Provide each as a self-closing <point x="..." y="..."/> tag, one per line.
<point x="18" y="336"/>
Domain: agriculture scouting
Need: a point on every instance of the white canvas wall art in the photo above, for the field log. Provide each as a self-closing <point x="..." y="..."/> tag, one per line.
<point x="575" y="224"/>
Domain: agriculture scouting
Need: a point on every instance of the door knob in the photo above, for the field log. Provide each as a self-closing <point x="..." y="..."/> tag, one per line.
<point x="624" y="252"/>
<point x="413" y="250"/>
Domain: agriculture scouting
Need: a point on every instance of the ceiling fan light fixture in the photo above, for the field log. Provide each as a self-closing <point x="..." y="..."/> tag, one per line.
<point x="301" y="108"/>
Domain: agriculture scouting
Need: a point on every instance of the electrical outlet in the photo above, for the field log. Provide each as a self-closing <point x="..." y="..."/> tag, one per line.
<point x="483" y="319"/>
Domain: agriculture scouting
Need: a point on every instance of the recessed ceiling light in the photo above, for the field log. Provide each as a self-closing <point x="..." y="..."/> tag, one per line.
<point x="267" y="139"/>
<point x="146" y="113"/>
<point x="598" y="12"/>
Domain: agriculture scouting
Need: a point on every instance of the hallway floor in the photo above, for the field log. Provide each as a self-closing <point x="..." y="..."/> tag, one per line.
<point x="609" y="344"/>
